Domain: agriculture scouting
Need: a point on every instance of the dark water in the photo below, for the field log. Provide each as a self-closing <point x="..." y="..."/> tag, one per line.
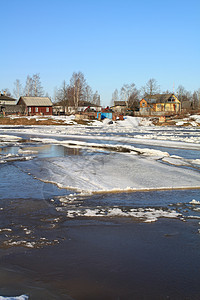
<point x="47" y="255"/>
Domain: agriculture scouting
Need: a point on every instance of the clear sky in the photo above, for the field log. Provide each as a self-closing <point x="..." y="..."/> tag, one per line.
<point x="111" y="41"/>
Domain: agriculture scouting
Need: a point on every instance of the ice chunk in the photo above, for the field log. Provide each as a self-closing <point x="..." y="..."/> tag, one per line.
<point x="195" y="202"/>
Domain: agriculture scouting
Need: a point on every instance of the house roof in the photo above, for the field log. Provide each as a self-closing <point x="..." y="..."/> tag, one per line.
<point x="86" y="103"/>
<point x="6" y="98"/>
<point x="158" y="98"/>
<point x="36" y="101"/>
<point x="119" y="103"/>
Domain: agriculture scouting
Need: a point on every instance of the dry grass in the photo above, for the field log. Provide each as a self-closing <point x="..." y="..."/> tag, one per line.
<point x="25" y="121"/>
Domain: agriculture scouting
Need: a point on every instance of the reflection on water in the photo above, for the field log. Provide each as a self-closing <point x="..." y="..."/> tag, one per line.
<point x="9" y="150"/>
<point x="53" y="150"/>
<point x="42" y="151"/>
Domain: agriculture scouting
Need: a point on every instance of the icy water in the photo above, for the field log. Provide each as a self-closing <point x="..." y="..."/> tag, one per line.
<point x="61" y="244"/>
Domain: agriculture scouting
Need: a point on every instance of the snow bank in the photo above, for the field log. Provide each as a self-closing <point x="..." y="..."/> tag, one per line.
<point x="22" y="297"/>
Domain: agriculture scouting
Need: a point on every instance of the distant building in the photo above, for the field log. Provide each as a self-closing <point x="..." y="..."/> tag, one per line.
<point x="36" y="105"/>
<point x="160" y="104"/>
<point x="119" y="107"/>
<point x="8" y="105"/>
<point x="5" y="100"/>
<point x="84" y="106"/>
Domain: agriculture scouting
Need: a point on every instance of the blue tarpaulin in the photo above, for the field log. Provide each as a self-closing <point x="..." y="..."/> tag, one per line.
<point x="104" y="115"/>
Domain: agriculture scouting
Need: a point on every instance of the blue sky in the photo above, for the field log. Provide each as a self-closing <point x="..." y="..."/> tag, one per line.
<point x="111" y="42"/>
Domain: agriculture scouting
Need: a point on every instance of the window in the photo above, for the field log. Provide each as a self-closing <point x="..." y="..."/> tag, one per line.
<point x="47" y="109"/>
<point x="36" y="109"/>
<point x="29" y="109"/>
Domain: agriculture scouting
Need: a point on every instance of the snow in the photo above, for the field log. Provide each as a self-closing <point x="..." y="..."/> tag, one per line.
<point x="22" y="297"/>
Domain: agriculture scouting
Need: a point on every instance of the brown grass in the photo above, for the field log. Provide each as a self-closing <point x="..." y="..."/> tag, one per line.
<point x="25" y="121"/>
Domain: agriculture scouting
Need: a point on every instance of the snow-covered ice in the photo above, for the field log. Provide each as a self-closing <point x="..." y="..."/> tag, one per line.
<point x="114" y="157"/>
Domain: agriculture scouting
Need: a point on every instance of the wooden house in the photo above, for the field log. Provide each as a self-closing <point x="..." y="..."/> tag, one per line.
<point x="119" y="107"/>
<point x="84" y="106"/>
<point x="160" y="104"/>
<point x="36" y="105"/>
<point x="5" y="100"/>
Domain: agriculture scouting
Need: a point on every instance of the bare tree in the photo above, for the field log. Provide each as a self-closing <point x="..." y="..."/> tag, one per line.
<point x="195" y="100"/>
<point x="33" y="86"/>
<point x="37" y="87"/>
<point x="115" y="96"/>
<point x="78" y="84"/>
<point x="96" y="98"/>
<point x="127" y="91"/>
<point x="151" y="87"/>
<point x="88" y="94"/>
<point x="28" y="90"/>
<point x="183" y="94"/>
<point x="133" y="101"/>
<point x="62" y="93"/>
<point x="18" y="89"/>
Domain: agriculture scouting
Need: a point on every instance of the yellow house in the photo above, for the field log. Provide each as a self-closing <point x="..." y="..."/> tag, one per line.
<point x="160" y="103"/>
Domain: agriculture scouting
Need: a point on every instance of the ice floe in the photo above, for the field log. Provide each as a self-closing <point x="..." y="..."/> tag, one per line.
<point x="143" y="214"/>
<point x="111" y="173"/>
<point x="195" y="202"/>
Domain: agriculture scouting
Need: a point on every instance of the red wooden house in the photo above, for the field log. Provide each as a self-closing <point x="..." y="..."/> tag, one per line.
<point x="36" y="105"/>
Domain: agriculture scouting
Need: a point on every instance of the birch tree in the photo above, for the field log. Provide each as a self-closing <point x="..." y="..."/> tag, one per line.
<point x="88" y="94"/>
<point x="33" y="86"/>
<point x="115" y="96"/>
<point x="28" y="90"/>
<point x="78" y="84"/>
<point x="96" y="98"/>
<point x="37" y="86"/>
<point x="17" y="91"/>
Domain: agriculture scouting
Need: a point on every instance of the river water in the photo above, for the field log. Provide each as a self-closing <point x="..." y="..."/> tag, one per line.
<point x="58" y="243"/>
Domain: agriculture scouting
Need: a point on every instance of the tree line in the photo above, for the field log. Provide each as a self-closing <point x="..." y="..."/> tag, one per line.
<point x="77" y="90"/>
<point x="72" y="94"/>
<point x="132" y="95"/>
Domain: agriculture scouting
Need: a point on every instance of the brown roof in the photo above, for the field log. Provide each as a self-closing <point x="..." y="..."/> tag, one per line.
<point x="6" y="98"/>
<point x="158" y="98"/>
<point x="119" y="103"/>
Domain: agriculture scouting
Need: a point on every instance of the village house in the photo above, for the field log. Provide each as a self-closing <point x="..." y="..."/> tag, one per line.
<point x="84" y="106"/>
<point x="36" y="105"/>
<point x="8" y="105"/>
<point x="5" y="100"/>
<point x="119" y="107"/>
<point x="159" y="104"/>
